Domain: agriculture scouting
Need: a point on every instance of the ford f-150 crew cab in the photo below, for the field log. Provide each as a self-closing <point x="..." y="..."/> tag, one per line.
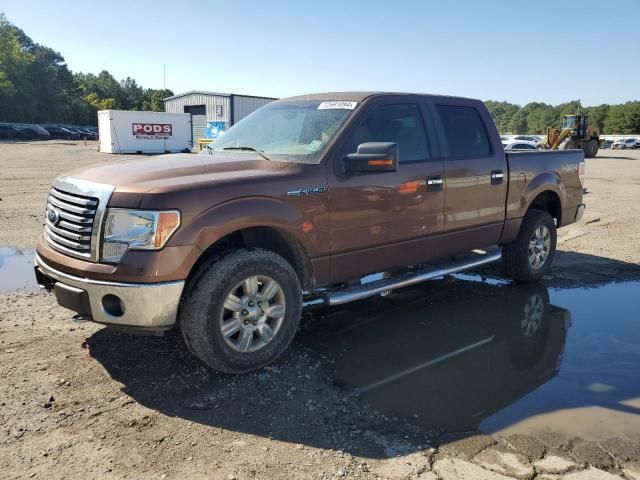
<point x="297" y="203"/>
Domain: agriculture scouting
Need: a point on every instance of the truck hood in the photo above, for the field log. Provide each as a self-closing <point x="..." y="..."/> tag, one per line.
<point x="168" y="173"/>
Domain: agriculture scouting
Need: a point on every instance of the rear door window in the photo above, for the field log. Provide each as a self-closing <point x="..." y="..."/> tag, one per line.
<point x="464" y="131"/>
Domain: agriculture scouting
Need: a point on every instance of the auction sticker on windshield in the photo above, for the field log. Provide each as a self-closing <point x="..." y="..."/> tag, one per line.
<point x="341" y="104"/>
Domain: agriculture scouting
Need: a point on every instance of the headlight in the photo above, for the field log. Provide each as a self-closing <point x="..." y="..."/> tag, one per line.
<point x="136" y="230"/>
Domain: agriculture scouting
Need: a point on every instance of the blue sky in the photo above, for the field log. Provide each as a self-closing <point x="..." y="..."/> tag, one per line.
<point x="488" y="49"/>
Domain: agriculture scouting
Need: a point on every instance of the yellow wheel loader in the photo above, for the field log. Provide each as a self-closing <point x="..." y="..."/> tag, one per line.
<point x="575" y="133"/>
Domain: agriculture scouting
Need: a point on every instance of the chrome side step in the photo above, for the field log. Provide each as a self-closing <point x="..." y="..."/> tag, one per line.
<point x="384" y="285"/>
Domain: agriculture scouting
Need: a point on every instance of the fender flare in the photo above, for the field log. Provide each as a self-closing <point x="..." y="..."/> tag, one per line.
<point x="215" y="223"/>
<point x="547" y="181"/>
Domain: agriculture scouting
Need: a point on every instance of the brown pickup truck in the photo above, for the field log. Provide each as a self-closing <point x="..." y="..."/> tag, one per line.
<point x="295" y="205"/>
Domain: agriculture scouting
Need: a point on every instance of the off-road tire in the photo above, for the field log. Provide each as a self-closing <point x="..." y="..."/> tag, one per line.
<point x="203" y="300"/>
<point x="515" y="255"/>
<point x="567" y="145"/>
<point x="591" y="148"/>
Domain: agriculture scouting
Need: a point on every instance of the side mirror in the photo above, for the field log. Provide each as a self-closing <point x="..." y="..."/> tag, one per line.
<point x="373" y="157"/>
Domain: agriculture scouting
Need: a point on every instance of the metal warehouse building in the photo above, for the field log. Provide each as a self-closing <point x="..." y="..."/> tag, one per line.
<point x="223" y="109"/>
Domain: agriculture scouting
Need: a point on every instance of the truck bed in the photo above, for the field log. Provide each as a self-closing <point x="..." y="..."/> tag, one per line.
<point x="529" y="170"/>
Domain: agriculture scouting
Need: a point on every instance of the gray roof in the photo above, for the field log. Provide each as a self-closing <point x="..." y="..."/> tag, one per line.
<point x="214" y="94"/>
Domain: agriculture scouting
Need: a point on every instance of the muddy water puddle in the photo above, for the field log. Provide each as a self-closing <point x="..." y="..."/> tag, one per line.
<point x="461" y="356"/>
<point x="16" y="269"/>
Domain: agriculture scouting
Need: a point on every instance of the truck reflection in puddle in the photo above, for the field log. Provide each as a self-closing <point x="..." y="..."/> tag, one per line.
<point x="448" y="354"/>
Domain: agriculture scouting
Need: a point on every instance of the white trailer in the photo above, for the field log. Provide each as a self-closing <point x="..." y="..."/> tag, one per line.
<point x="125" y="131"/>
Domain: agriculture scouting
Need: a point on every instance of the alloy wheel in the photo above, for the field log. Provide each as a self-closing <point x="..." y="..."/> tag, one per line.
<point x="252" y="314"/>
<point x="539" y="247"/>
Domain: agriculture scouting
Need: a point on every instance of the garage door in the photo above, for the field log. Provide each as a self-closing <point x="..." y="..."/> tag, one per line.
<point x="198" y="124"/>
<point x="198" y="121"/>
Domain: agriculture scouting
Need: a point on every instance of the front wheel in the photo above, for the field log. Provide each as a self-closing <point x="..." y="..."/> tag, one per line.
<point x="240" y="312"/>
<point x="529" y="257"/>
<point x="591" y="148"/>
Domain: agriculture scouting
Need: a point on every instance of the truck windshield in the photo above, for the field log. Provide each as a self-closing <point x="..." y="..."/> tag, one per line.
<point x="296" y="130"/>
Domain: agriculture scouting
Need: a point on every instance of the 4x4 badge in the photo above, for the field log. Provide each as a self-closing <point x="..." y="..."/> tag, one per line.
<point x="306" y="191"/>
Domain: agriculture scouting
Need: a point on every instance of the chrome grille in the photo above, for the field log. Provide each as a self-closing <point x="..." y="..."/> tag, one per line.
<point x="69" y="222"/>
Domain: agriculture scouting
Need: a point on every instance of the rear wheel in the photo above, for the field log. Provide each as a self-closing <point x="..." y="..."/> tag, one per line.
<point x="241" y="311"/>
<point x="591" y="148"/>
<point x="528" y="258"/>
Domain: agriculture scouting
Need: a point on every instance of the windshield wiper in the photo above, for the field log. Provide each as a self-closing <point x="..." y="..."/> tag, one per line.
<point x="249" y="149"/>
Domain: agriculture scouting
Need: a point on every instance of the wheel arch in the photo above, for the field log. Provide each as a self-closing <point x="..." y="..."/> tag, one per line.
<point x="548" y="201"/>
<point x="269" y="238"/>
<point x="259" y="222"/>
<point x="545" y="192"/>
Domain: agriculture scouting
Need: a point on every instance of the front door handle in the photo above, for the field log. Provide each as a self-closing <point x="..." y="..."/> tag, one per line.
<point x="434" y="183"/>
<point x="497" y="177"/>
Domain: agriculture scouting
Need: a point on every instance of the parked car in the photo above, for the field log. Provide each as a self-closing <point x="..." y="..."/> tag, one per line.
<point x="31" y="132"/>
<point x="606" y="144"/>
<point x="7" y="131"/>
<point x="61" y="132"/>
<point x="527" y="138"/>
<point x="87" y="133"/>
<point x="93" y="130"/>
<point x="520" y="145"/>
<point x="80" y="132"/>
<point x="625" y="143"/>
<point x="228" y="246"/>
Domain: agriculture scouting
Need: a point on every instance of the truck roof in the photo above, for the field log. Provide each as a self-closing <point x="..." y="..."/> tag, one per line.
<point x="359" y="96"/>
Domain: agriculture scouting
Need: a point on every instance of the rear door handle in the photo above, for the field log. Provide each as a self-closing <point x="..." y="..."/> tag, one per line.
<point x="497" y="177"/>
<point x="434" y="183"/>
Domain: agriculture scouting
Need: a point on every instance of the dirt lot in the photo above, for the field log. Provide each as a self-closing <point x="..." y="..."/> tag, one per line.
<point x="77" y="400"/>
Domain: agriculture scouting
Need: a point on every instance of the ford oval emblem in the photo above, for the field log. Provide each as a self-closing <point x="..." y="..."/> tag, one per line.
<point x="53" y="216"/>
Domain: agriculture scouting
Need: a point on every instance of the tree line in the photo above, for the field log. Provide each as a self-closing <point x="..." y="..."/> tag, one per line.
<point x="36" y="86"/>
<point x="536" y="117"/>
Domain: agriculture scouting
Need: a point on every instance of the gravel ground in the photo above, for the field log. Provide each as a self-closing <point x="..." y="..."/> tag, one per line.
<point x="78" y="400"/>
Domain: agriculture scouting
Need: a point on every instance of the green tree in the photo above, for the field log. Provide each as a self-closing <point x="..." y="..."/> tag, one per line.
<point x="133" y="94"/>
<point x="570" y="108"/>
<point x="153" y="100"/>
<point x="16" y="91"/>
<point x="597" y="116"/>
<point x="623" y="119"/>
<point x="539" y="117"/>
<point x="518" y="122"/>
<point x="35" y="83"/>
<point x="502" y="113"/>
<point x="99" y="103"/>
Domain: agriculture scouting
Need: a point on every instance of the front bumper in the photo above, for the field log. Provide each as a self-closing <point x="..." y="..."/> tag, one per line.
<point x="137" y="305"/>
